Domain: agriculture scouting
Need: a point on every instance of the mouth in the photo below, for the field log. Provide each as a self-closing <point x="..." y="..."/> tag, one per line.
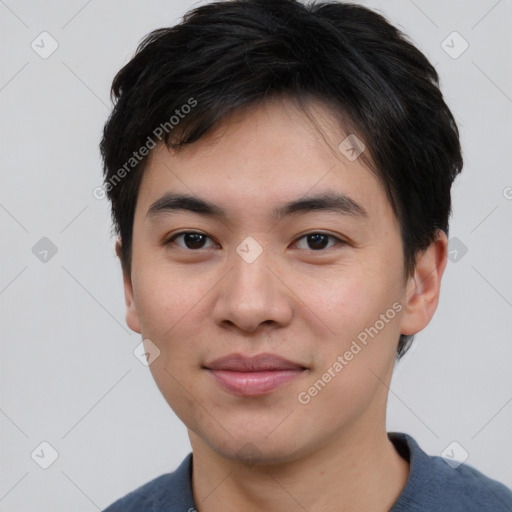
<point x="253" y="376"/>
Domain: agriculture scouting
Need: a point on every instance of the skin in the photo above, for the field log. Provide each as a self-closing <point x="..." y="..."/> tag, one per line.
<point x="306" y="305"/>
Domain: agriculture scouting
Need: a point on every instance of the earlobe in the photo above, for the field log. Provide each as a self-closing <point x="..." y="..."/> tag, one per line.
<point x="132" y="315"/>
<point x="423" y="287"/>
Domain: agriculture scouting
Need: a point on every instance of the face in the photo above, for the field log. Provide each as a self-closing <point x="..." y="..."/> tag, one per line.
<point x="320" y="285"/>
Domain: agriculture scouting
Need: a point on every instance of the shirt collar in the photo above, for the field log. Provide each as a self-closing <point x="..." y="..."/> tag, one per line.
<point x="178" y="489"/>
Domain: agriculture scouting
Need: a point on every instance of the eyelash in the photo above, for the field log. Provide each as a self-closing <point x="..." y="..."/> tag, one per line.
<point x="181" y="233"/>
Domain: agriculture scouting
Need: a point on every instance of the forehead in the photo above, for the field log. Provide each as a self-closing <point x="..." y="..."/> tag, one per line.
<point x="263" y="156"/>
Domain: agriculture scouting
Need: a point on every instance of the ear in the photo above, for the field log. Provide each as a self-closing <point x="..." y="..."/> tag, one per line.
<point x="132" y="316"/>
<point x="423" y="287"/>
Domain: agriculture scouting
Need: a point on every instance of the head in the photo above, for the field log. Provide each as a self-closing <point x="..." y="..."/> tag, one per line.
<point x="317" y="137"/>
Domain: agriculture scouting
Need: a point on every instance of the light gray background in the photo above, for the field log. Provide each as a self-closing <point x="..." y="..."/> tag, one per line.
<point x="68" y="373"/>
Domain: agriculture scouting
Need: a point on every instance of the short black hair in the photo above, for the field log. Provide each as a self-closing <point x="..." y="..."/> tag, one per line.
<point x="227" y="55"/>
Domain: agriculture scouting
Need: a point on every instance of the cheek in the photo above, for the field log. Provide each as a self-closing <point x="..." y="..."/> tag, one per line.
<point x="168" y="304"/>
<point x="354" y="360"/>
<point x="350" y="298"/>
<point x="361" y="308"/>
<point x="168" y="308"/>
<point x="165" y="299"/>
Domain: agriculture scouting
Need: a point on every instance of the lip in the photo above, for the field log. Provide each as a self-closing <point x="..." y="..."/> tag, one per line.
<point x="253" y="375"/>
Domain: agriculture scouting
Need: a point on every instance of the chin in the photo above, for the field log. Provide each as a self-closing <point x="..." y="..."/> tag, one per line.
<point x="256" y="449"/>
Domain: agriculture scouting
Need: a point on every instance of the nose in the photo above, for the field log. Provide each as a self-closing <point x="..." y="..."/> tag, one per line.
<point x="253" y="295"/>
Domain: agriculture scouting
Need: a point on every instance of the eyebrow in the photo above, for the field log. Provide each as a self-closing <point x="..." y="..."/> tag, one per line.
<point x="327" y="201"/>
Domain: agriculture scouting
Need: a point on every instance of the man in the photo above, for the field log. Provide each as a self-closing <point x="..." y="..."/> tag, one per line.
<point x="280" y="181"/>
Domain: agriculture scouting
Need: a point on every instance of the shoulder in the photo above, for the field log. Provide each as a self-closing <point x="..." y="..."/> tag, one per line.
<point x="162" y="493"/>
<point x="468" y="489"/>
<point x="143" y="497"/>
<point x="436" y="485"/>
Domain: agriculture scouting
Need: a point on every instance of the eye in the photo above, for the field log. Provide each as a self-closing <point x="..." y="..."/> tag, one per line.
<point x="318" y="241"/>
<point x="191" y="240"/>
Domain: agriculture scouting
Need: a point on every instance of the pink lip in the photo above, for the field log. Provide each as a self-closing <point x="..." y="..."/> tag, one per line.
<point x="253" y="376"/>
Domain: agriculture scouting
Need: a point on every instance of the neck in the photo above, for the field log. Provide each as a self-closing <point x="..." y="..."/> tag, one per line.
<point x="361" y="470"/>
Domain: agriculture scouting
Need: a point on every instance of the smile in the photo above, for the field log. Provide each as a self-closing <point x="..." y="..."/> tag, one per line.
<point x="253" y="375"/>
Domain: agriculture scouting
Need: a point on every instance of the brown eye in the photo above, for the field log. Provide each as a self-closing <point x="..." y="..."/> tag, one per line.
<point x="190" y="240"/>
<point x="318" y="241"/>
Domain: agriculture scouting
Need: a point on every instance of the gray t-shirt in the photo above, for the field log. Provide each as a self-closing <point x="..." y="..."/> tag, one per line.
<point x="433" y="486"/>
